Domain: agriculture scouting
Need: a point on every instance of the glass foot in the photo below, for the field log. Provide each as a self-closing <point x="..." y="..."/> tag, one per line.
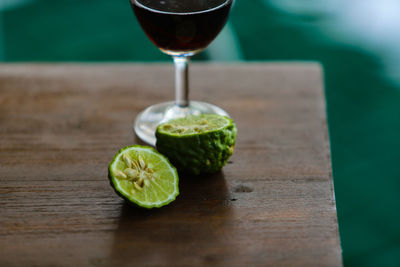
<point x="147" y="121"/>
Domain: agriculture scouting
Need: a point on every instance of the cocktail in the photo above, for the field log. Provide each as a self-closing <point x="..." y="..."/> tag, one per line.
<point x="180" y="28"/>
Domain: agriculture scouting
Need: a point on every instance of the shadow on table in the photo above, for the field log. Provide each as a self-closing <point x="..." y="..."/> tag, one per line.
<point x="137" y="140"/>
<point x="180" y="232"/>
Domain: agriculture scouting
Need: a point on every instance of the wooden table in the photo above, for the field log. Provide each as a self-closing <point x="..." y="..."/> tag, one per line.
<point x="273" y="204"/>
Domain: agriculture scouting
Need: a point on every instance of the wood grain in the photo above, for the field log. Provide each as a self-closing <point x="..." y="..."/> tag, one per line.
<point x="273" y="204"/>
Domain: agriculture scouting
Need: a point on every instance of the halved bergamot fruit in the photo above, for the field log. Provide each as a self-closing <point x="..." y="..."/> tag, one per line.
<point x="197" y="144"/>
<point x="143" y="177"/>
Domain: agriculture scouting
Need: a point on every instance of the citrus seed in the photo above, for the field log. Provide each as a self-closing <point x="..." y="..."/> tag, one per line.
<point x="131" y="173"/>
<point x="127" y="160"/>
<point x="120" y="175"/>
<point x="142" y="164"/>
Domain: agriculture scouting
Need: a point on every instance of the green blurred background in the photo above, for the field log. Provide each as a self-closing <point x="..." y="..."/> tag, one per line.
<point x="357" y="42"/>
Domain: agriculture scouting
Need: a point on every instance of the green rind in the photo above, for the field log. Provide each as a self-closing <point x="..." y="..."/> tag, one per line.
<point x="127" y="197"/>
<point x="190" y="153"/>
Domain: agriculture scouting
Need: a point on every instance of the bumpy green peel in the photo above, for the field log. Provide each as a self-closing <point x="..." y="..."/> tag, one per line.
<point x="197" y="144"/>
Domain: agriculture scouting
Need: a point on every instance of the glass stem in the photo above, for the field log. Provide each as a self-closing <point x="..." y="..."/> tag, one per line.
<point x="181" y="81"/>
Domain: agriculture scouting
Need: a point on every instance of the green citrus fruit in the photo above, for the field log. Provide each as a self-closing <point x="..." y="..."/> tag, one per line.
<point x="197" y="144"/>
<point x="143" y="177"/>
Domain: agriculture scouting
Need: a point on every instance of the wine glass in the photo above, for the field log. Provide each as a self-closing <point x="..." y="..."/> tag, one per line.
<point x="180" y="28"/>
